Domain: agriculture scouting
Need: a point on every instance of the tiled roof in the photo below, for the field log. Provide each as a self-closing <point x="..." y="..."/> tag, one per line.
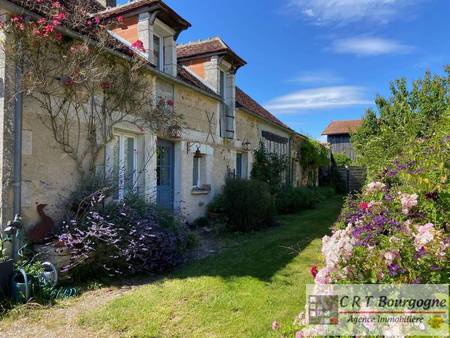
<point x="167" y="14"/>
<point x="245" y="101"/>
<point x="188" y="77"/>
<point x="342" y="127"/>
<point x="207" y="47"/>
<point x="127" y="7"/>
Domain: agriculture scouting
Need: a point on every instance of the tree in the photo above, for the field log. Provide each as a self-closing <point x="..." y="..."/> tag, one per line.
<point x="85" y="87"/>
<point x="407" y="115"/>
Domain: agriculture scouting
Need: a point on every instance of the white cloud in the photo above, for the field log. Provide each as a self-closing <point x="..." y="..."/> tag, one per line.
<point x="347" y="11"/>
<point x="317" y="77"/>
<point x="319" y="98"/>
<point x="370" y="46"/>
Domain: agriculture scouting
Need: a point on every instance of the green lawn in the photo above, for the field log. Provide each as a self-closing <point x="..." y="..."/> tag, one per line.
<point x="237" y="293"/>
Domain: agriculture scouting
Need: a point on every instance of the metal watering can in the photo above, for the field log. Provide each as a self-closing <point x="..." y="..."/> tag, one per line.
<point x="20" y="287"/>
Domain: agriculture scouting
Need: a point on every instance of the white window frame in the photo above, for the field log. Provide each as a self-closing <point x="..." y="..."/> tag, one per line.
<point x="122" y="136"/>
<point x="160" y="66"/>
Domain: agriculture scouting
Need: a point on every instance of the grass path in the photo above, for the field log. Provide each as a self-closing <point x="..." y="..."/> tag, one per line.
<point x="237" y="293"/>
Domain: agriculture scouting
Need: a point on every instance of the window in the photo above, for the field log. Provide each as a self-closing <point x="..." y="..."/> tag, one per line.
<point x="158" y="52"/>
<point x="241" y="166"/>
<point x="196" y="183"/>
<point x="275" y="144"/>
<point x="124" y="164"/>
<point x="222" y="84"/>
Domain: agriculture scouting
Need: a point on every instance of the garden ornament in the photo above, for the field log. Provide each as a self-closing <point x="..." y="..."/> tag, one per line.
<point x="50" y="274"/>
<point x="43" y="228"/>
<point x="10" y="234"/>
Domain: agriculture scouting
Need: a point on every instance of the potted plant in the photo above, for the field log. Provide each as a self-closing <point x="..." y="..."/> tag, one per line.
<point x="6" y="272"/>
<point x="215" y="208"/>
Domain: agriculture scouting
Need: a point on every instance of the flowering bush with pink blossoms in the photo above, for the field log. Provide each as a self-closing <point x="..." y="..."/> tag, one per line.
<point x="397" y="229"/>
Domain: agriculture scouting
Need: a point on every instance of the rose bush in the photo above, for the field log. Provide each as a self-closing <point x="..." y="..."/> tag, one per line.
<point x="396" y="230"/>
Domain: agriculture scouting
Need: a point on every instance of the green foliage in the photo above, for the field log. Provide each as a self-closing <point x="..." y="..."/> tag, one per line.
<point x="312" y="154"/>
<point x="248" y="205"/>
<point x="216" y="206"/>
<point x="41" y="291"/>
<point x="269" y="168"/>
<point x="408" y="114"/>
<point x="342" y="160"/>
<point x="292" y="200"/>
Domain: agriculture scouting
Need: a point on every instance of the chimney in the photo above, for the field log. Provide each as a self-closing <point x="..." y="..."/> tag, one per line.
<point x="108" y="3"/>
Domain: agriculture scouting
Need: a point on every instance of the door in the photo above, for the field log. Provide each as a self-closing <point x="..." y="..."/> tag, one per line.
<point x="164" y="173"/>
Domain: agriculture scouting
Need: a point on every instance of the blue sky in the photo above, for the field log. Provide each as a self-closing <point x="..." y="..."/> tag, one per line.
<point x="313" y="61"/>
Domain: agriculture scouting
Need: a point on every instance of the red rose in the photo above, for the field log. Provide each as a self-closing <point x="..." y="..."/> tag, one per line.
<point x="314" y="271"/>
<point x="139" y="45"/>
<point x="364" y="206"/>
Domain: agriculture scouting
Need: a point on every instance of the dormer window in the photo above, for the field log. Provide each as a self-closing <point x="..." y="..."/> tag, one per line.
<point x="222" y="84"/>
<point x="158" y="52"/>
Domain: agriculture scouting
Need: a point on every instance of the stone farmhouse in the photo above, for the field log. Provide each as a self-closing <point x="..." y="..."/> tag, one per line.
<point x="224" y="125"/>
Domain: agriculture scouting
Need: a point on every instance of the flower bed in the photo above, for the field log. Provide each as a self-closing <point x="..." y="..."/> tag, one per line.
<point x="397" y="229"/>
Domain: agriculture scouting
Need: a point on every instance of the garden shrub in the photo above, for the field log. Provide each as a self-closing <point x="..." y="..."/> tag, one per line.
<point x="125" y="238"/>
<point x="292" y="200"/>
<point x="341" y="160"/>
<point x="248" y="205"/>
<point x="270" y="168"/>
<point x="397" y="229"/>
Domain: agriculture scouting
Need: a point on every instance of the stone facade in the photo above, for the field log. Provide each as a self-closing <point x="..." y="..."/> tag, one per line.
<point x="49" y="175"/>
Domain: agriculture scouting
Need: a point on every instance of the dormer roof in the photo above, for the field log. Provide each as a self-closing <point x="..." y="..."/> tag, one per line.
<point x="209" y="47"/>
<point x="165" y="13"/>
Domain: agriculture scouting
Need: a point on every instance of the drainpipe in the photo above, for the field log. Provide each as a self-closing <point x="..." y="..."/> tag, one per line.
<point x="291" y="162"/>
<point x="17" y="179"/>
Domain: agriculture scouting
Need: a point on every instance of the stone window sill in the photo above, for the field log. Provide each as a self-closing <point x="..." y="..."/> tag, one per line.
<point x="200" y="192"/>
<point x="204" y="190"/>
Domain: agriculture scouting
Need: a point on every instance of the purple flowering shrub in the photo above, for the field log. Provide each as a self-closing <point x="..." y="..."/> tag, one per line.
<point x="130" y="237"/>
<point x="397" y="229"/>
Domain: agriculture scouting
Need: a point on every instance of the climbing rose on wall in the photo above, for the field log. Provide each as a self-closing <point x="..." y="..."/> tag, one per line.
<point x="139" y="45"/>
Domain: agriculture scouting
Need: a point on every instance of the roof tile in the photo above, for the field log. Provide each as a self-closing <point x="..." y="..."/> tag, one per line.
<point x="245" y="101"/>
<point x="342" y="127"/>
<point x="209" y="46"/>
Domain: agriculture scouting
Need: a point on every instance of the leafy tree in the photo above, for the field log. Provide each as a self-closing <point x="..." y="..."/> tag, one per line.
<point x="407" y="115"/>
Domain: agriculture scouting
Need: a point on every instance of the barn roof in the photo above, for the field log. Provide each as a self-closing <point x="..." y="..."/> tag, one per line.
<point x="342" y="127"/>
